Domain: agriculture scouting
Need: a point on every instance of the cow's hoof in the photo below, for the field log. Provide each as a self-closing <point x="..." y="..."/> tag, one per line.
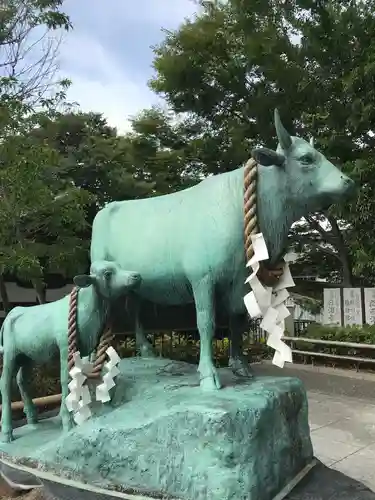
<point x="210" y="381"/>
<point x="7" y="437"/>
<point x="67" y="428"/>
<point x="240" y="367"/>
<point x="32" y="420"/>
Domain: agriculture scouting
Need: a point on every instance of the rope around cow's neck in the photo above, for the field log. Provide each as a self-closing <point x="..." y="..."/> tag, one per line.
<point x="250" y="205"/>
<point x="268" y="276"/>
<point x="105" y="339"/>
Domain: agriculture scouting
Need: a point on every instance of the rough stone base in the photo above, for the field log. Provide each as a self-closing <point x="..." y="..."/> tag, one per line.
<point x="163" y="436"/>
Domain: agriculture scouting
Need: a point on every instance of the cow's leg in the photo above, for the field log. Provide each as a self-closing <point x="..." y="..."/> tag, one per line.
<point x="205" y="308"/>
<point x="65" y="415"/>
<point x="24" y="377"/>
<point x="143" y="346"/>
<point x="237" y="361"/>
<point x="9" y="366"/>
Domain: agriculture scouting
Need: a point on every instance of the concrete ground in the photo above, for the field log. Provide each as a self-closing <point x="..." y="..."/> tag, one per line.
<point x="342" y="417"/>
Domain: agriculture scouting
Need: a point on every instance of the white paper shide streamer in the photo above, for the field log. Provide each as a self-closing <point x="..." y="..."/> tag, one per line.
<point x="79" y="399"/>
<point x="269" y="302"/>
<point x="111" y="371"/>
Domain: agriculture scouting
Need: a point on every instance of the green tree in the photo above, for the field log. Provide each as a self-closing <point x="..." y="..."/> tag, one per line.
<point x="320" y="242"/>
<point x="153" y="158"/>
<point x="93" y="157"/>
<point x="236" y="61"/>
<point x="41" y="217"/>
<point x="163" y="151"/>
<point x="30" y="33"/>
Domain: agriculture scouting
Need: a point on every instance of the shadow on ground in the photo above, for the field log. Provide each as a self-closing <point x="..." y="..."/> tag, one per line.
<point x="323" y="483"/>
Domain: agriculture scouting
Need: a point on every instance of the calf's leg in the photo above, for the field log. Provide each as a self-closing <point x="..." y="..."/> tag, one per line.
<point x="205" y="308"/>
<point x="9" y="366"/>
<point x="24" y="384"/>
<point x="237" y="361"/>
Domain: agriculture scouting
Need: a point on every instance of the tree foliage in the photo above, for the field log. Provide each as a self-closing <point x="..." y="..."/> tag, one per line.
<point x="92" y="156"/>
<point x="41" y="215"/>
<point x="236" y="61"/>
<point x="163" y="150"/>
<point x="30" y="31"/>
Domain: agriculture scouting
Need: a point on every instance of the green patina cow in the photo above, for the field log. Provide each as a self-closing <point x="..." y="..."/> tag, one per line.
<point x="189" y="246"/>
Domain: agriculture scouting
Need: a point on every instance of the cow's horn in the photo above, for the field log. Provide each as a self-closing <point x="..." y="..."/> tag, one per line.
<point x="312" y="142"/>
<point x="282" y="134"/>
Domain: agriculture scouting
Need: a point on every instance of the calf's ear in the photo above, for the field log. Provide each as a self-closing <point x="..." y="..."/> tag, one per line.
<point x="83" y="280"/>
<point x="268" y="157"/>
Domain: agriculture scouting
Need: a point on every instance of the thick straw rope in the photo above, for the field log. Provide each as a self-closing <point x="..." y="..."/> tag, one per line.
<point x="105" y="339"/>
<point x="268" y="276"/>
<point x="250" y="205"/>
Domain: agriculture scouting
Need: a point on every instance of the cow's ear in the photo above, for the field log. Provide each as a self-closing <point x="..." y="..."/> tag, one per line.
<point x="83" y="280"/>
<point x="268" y="157"/>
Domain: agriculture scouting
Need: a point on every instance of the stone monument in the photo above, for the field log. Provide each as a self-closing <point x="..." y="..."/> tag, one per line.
<point x="166" y="431"/>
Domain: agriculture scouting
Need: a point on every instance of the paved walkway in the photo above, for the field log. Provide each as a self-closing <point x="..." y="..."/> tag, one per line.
<point x="342" y="417"/>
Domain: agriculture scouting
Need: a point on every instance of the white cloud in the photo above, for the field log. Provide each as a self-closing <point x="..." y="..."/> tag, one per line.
<point x="160" y="12"/>
<point x="99" y="84"/>
<point x="99" y="81"/>
<point x="117" y="101"/>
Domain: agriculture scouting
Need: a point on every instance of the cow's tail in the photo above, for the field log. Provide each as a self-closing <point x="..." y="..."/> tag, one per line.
<point x="98" y="247"/>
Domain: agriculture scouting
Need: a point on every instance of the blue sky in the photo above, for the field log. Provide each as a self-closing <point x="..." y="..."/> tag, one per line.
<point x="108" y="54"/>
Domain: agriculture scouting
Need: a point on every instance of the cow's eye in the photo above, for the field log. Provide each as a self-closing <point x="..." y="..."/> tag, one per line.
<point x="307" y="159"/>
<point x="107" y="274"/>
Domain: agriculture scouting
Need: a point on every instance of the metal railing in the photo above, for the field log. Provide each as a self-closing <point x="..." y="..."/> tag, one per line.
<point x="355" y="358"/>
<point x="184" y="345"/>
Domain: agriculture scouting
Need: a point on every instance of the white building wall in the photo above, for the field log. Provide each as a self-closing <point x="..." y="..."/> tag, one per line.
<point x="20" y="295"/>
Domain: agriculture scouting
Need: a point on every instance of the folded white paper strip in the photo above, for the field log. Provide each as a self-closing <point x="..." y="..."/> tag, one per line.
<point x="110" y="367"/>
<point x="79" y="399"/>
<point x="83" y="413"/>
<point x="268" y="302"/>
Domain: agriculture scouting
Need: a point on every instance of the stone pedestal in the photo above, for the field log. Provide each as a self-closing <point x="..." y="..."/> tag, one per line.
<point x="164" y="436"/>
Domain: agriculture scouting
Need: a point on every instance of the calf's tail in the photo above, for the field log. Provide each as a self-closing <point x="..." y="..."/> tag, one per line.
<point x="1" y="338"/>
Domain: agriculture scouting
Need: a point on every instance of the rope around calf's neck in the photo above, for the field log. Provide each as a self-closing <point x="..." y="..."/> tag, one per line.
<point x="105" y="339"/>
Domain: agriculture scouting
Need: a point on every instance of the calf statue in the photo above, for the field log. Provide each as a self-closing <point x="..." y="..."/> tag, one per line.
<point x="34" y="334"/>
<point x="189" y="246"/>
